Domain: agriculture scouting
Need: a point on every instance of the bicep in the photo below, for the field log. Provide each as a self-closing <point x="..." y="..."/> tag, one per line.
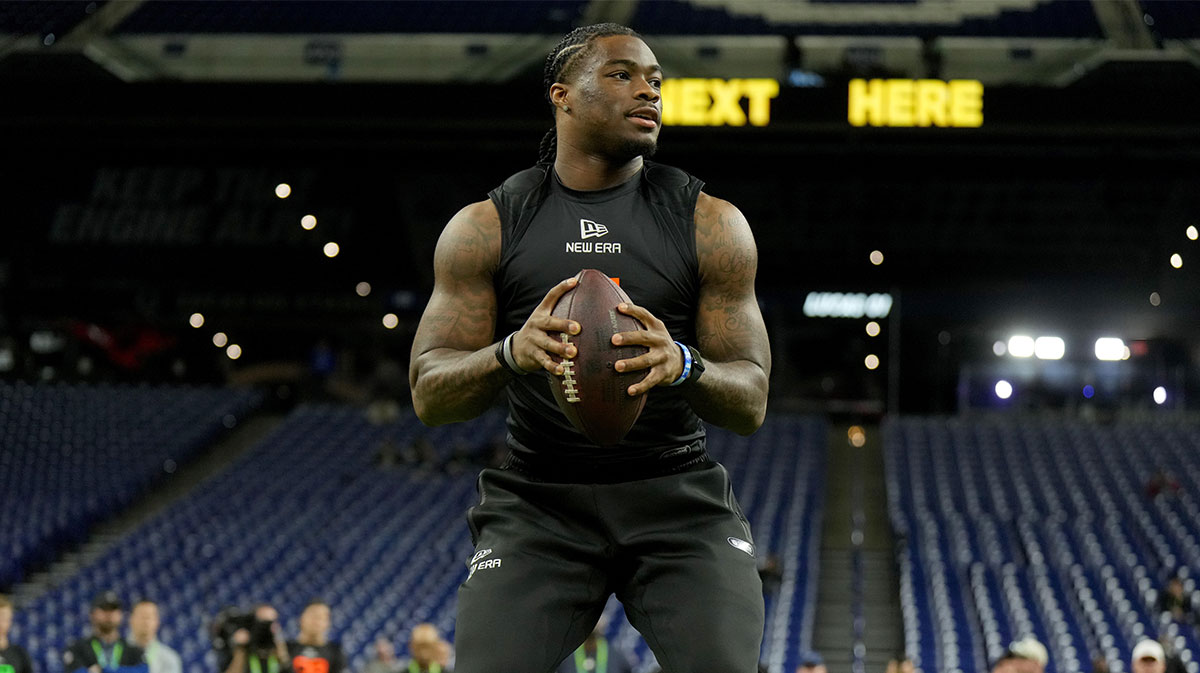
<point x="729" y="324"/>
<point x="461" y="313"/>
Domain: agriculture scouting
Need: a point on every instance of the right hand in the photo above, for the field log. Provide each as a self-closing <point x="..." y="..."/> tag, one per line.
<point x="532" y="344"/>
<point x="241" y="638"/>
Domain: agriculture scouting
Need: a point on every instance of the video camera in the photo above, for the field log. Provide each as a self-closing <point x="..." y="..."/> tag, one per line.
<point x="231" y="620"/>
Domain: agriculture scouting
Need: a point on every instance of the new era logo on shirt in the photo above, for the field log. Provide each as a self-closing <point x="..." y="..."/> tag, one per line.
<point x="589" y="229"/>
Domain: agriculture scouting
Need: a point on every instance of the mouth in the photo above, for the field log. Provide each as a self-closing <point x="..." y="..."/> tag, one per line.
<point x="646" y="117"/>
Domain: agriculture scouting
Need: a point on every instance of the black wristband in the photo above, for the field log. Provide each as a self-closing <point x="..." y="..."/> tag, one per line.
<point x="505" y="358"/>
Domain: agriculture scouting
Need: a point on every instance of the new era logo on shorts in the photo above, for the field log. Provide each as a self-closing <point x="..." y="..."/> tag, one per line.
<point x="590" y="229"/>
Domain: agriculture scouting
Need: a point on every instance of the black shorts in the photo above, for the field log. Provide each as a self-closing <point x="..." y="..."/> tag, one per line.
<point x="676" y="550"/>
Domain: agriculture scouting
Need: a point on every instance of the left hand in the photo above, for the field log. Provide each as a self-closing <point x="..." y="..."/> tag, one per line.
<point x="664" y="360"/>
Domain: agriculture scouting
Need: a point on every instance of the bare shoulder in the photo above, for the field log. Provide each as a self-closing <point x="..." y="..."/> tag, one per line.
<point x="724" y="243"/>
<point x="471" y="240"/>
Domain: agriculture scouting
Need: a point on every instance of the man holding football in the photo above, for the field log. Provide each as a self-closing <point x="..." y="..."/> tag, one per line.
<point x="565" y="523"/>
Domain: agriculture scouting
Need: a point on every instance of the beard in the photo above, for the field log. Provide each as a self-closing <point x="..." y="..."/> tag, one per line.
<point x="622" y="150"/>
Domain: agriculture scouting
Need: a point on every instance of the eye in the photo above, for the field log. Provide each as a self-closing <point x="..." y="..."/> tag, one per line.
<point x="621" y="74"/>
<point x="656" y="83"/>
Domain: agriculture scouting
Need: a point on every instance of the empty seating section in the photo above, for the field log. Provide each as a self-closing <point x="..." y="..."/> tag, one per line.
<point x="1032" y="19"/>
<point x="1041" y="19"/>
<point x="1040" y="527"/>
<point x="354" y="16"/>
<point x="73" y="456"/>
<point x="311" y="511"/>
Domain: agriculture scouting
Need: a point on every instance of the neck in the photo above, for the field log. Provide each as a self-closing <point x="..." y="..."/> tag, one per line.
<point x="143" y="641"/>
<point x="586" y="172"/>
<point x="107" y="638"/>
<point x="315" y="641"/>
<point x="3" y="640"/>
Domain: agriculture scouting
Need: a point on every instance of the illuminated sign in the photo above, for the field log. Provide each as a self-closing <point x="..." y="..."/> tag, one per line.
<point x="847" y="305"/>
<point x="919" y="102"/>
<point x="717" y="102"/>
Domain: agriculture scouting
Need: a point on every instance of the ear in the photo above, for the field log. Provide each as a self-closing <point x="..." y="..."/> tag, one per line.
<point x="559" y="95"/>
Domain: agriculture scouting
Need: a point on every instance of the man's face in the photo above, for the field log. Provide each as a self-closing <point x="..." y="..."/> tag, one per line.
<point x="6" y="619"/>
<point x="266" y="613"/>
<point x="1175" y="586"/>
<point x="315" y="621"/>
<point x="423" y="646"/>
<point x="143" y="620"/>
<point x="615" y="98"/>
<point x="1149" y="665"/>
<point x="106" y="621"/>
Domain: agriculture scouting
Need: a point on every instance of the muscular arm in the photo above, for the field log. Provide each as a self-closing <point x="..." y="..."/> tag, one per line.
<point x="453" y="372"/>
<point x="731" y="335"/>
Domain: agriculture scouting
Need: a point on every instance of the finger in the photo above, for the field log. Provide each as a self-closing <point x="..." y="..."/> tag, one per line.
<point x="653" y="378"/>
<point x="549" y="323"/>
<point x="640" y="362"/>
<point x="640" y="313"/>
<point x="555" y="293"/>
<point x="640" y="338"/>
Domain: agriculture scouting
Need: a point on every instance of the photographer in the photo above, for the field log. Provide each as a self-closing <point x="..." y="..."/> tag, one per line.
<point x="250" y="643"/>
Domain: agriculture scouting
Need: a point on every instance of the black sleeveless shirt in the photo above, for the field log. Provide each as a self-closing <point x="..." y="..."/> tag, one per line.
<point x="641" y="232"/>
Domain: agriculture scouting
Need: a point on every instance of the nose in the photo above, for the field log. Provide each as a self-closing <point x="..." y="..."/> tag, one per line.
<point x="645" y="91"/>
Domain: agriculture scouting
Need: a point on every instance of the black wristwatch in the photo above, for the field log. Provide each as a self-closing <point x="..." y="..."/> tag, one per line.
<point x="697" y="366"/>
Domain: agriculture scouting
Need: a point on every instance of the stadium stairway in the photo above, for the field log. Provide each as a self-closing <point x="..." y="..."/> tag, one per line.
<point x="859" y="583"/>
<point x="232" y="445"/>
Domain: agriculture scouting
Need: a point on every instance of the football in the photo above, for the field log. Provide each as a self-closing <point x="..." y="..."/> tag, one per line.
<point x="591" y="392"/>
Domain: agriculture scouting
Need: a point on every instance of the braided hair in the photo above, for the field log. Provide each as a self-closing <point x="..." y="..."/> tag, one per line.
<point x="561" y="64"/>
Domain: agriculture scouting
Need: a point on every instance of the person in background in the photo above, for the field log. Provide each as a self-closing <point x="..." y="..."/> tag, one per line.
<point x="1148" y="657"/>
<point x="811" y="662"/>
<point x="143" y="632"/>
<point x="1175" y="600"/>
<point x="1027" y="655"/>
<point x="425" y="651"/>
<point x="901" y="664"/>
<point x="105" y="651"/>
<point x="312" y="652"/>
<point x="384" y="658"/>
<point x="596" y="655"/>
<point x="13" y="657"/>
<point x="258" y="648"/>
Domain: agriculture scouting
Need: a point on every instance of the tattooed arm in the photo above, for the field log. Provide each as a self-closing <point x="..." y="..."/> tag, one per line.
<point x="453" y="371"/>
<point x="732" y="393"/>
<point x="729" y="326"/>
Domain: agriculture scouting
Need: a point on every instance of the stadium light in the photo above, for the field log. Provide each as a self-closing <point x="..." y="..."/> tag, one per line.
<point x="873" y="329"/>
<point x="1049" y="348"/>
<point x="1192" y="233"/>
<point x="1000" y="348"/>
<point x="331" y="249"/>
<point x="308" y="222"/>
<point x="1110" y="349"/>
<point x="220" y="339"/>
<point x="283" y="190"/>
<point x="876" y="257"/>
<point x="1160" y="395"/>
<point x="1004" y="389"/>
<point x="196" y="320"/>
<point x="362" y="289"/>
<point x="871" y="361"/>
<point x="1155" y="299"/>
<point x="1089" y="392"/>
<point x="1177" y="261"/>
<point x="1021" y="346"/>
<point x="391" y="320"/>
